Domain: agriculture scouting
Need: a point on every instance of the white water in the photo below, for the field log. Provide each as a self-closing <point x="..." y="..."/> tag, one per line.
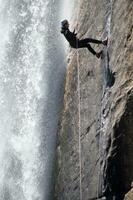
<point x="31" y="81"/>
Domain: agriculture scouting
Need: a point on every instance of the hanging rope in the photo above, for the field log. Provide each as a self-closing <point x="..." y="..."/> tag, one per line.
<point x="79" y="119"/>
<point x="79" y="125"/>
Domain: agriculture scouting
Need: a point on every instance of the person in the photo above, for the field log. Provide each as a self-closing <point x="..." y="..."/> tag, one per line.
<point x="83" y="43"/>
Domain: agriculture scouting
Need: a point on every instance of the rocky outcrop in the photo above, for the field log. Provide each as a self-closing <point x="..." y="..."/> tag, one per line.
<point x="106" y="108"/>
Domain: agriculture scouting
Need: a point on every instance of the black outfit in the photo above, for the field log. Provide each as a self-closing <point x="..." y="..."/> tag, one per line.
<point x="76" y="43"/>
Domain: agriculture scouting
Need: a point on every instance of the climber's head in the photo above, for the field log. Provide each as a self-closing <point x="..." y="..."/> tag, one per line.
<point x="65" y="24"/>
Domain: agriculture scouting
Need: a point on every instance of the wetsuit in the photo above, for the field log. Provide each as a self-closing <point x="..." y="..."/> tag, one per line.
<point x="76" y="43"/>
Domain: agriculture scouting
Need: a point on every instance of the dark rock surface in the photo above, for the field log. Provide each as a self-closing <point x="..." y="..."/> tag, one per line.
<point x="106" y="101"/>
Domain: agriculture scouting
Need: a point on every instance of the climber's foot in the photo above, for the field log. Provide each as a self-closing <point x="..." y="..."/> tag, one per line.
<point x="105" y="42"/>
<point x="99" y="54"/>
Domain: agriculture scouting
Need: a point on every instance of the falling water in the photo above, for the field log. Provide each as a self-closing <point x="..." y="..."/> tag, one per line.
<point x="31" y="86"/>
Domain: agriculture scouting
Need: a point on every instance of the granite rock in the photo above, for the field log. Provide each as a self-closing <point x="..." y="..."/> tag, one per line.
<point x="106" y="107"/>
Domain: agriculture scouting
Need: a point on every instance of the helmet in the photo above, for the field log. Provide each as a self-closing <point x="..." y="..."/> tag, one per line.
<point x="65" y="23"/>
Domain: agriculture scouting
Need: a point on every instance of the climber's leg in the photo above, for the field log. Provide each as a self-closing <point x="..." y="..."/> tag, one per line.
<point x="83" y="44"/>
<point x="91" y="49"/>
<point x="97" y="54"/>
<point x="90" y="40"/>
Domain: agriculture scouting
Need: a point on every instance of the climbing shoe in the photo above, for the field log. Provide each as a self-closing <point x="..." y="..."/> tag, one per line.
<point x="105" y="42"/>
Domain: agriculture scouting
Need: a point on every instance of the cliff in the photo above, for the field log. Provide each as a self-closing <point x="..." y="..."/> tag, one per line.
<point x="97" y="162"/>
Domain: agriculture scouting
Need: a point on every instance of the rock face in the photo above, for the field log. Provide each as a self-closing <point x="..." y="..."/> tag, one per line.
<point x="97" y="162"/>
<point x="129" y="195"/>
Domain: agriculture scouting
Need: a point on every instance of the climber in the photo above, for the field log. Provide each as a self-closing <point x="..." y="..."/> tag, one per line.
<point x="83" y="43"/>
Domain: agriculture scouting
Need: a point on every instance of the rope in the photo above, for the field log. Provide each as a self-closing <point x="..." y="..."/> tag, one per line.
<point x="79" y="125"/>
<point x="79" y="120"/>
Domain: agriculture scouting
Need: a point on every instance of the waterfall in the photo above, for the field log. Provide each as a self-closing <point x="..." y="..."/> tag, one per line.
<point x="31" y="86"/>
